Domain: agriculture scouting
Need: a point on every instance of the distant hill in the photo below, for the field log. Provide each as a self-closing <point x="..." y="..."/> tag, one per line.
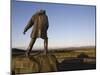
<point x="16" y="50"/>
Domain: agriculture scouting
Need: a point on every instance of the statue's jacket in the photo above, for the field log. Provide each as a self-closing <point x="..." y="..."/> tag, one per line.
<point x="39" y="24"/>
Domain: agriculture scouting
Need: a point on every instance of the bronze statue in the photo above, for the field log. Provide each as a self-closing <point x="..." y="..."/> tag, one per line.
<point x="39" y="23"/>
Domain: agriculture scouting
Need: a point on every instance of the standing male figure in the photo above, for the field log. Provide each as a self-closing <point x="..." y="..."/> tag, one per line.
<point x="39" y="24"/>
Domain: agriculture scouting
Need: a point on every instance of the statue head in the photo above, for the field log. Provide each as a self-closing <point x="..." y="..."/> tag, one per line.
<point x="41" y="12"/>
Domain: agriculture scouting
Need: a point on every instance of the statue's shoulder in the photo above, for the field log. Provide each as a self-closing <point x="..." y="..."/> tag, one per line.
<point x="34" y="16"/>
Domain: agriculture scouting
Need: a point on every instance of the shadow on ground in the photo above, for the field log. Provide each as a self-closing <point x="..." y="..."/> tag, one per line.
<point x="75" y="64"/>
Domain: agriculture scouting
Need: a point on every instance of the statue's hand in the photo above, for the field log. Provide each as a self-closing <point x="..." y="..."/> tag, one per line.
<point x="24" y="32"/>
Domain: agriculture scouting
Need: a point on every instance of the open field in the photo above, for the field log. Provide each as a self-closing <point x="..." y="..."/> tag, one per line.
<point x="63" y="53"/>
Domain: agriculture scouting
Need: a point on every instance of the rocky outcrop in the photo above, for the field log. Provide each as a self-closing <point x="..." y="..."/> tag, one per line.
<point x="34" y="64"/>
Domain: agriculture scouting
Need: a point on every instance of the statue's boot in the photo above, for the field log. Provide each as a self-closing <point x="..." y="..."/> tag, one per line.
<point x="45" y="52"/>
<point x="27" y="54"/>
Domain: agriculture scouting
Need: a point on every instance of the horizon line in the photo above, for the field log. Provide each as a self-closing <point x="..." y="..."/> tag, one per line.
<point x="55" y="47"/>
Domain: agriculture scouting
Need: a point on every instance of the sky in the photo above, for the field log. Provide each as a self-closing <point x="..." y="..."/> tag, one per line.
<point x="69" y="25"/>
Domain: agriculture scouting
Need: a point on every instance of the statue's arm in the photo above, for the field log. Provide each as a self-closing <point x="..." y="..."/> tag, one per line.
<point x="29" y="25"/>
